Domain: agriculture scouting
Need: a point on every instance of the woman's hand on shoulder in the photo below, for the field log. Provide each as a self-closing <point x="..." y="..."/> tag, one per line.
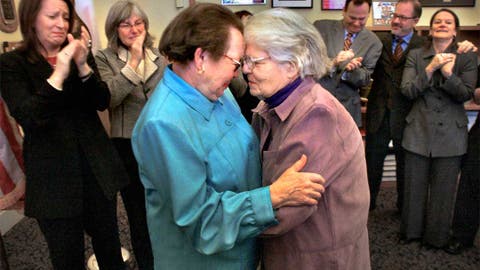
<point x="295" y="188"/>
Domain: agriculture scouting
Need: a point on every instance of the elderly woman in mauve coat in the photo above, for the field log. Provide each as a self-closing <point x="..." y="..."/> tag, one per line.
<point x="283" y="58"/>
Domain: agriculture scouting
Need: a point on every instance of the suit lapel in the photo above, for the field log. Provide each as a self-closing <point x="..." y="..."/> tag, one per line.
<point x="387" y="45"/>
<point x="415" y="42"/>
<point x="339" y="37"/>
<point x="150" y="66"/>
<point x="360" y="40"/>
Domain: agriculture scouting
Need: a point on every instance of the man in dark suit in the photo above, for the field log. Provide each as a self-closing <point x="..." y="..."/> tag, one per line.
<point x="387" y="107"/>
<point x="354" y="50"/>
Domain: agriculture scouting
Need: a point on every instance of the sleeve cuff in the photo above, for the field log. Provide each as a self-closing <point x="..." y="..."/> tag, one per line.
<point x="131" y="75"/>
<point x="262" y="206"/>
<point x="55" y="85"/>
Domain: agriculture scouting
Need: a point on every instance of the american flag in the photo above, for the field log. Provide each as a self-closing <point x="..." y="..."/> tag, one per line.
<point x="12" y="176"/>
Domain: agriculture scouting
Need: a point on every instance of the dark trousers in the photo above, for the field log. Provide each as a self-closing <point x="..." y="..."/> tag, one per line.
<point x="133" y="197"/>
<point x="3" y="256"/>
<point x="376" y="149"/>
<point x="65" y="236"/>
<point x="430" y="185"/>
<point x="466" y="217"/>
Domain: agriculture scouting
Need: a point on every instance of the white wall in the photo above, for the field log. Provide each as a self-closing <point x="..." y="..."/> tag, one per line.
<point x="160" y="12"/>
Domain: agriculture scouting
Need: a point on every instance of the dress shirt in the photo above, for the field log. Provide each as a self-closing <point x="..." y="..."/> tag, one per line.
<point x="406" y="40"/>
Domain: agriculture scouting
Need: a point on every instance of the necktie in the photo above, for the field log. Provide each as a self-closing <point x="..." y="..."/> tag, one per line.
<point x="397" y="53"/>
<point x="347" y="42"/>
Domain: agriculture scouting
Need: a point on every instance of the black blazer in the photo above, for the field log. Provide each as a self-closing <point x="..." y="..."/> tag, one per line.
<point x="387" y="78"/>
<point x="61" y="128"/>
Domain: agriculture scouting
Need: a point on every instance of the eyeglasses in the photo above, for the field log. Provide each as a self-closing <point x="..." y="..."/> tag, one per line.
<point x="401" y="17"/>
<point x="251" y="62"/>
<point x="128" y="26"/>
<point x="237" y="63"/>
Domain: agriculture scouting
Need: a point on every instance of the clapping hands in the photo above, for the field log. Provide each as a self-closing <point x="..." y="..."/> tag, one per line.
<point x="348" y="56"/>
<point x="442" y="61"/>
<point x="76" y="50"/>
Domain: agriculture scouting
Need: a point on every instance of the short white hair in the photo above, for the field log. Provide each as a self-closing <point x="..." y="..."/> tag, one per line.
<point x="288" y="37"/>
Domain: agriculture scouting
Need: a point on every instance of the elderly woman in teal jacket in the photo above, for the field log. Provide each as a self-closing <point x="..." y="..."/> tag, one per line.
<point x="198" y="157"/>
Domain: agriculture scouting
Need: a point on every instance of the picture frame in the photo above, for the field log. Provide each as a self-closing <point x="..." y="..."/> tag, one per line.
<point x="333" y="4"/>
<point x="243" y="2"/>
<point x="382" y="12"/>
<point x="447" y="3"/>
<point x="293" y="3"/>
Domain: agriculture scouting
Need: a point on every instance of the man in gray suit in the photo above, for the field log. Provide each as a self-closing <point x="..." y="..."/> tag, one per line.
<point x="354" y="50"/>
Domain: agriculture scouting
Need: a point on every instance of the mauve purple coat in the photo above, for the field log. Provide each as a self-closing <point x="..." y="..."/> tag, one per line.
<point x="332" y="235"/>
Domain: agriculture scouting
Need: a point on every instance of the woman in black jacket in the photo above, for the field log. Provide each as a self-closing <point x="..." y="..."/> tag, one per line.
<point x="72" y="171"/>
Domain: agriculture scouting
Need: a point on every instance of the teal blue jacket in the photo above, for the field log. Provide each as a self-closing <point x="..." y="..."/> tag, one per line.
<point x="199" y="162"/>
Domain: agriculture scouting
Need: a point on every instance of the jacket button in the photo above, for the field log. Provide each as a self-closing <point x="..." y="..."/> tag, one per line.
<point x="228" y="122"/>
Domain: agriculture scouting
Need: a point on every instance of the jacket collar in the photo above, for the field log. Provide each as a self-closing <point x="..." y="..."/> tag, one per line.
<point x="429" y="52"/>
<point x="191" y="96"/>
<point x="284" y="110"/>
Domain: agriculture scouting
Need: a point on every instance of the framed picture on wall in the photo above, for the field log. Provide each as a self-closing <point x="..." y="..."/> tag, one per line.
<point x="292" y="4"/>
<point x="243" y="2"/>
<point x="333" y="4"/>
<point x="382" y="12"/>
<point x="448" y="3"/>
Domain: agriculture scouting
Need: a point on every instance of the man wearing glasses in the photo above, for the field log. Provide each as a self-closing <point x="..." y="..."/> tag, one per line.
<point x="387" y="107"/>
<point x="354" y="50"/>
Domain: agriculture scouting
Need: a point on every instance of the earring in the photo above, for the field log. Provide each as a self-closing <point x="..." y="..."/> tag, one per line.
<point x="201" y="70"/>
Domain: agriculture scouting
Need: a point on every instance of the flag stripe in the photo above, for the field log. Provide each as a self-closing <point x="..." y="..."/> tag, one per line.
<point x="8" y="159"/>
<point x="6" y="183"/>
<point x="6" y="127"/>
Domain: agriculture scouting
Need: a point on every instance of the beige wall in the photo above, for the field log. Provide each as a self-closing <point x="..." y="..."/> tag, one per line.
<point x="160" y="12"/>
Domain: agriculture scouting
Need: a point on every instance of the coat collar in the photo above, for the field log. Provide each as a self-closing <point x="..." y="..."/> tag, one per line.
<point x="191" y="96"/>
<point x="284" y="110"/>
<point x="429" y="52"/>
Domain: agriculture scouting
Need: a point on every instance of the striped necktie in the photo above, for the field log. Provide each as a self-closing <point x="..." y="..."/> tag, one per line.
<point x="347" y="42"/>
<point x="397" y="53"/>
